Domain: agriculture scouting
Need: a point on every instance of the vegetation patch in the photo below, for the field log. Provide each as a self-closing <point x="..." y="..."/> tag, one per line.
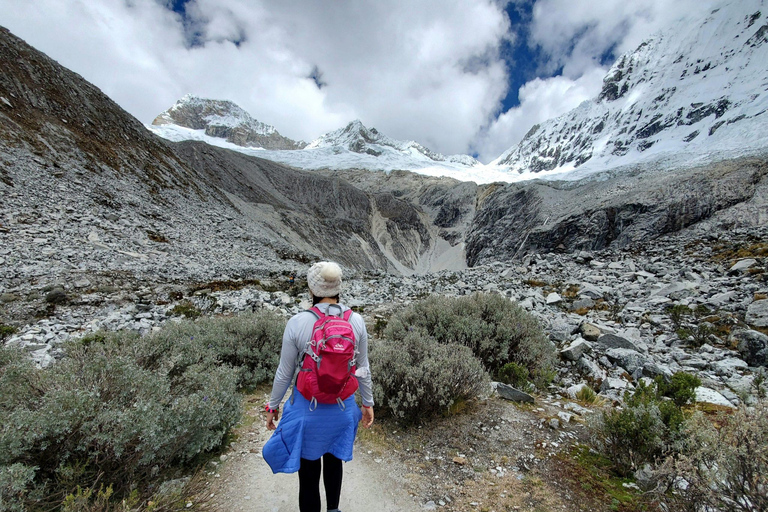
<point x="495" y="329"/>
<point x="185" y="309"/>
<point x="218" y="286"/>
<point x="6" y="331"/>
<point x="120" y="412"/>
<point x="590" y="475"/>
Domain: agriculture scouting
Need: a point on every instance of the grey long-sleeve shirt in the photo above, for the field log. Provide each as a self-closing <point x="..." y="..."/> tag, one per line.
<point x="298" y="331"/>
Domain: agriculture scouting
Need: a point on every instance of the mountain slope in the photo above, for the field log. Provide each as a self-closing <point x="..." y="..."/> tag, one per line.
<point x="225" y="120"/>
<point x="696" y="92"/>
<point x="109" y="196"/>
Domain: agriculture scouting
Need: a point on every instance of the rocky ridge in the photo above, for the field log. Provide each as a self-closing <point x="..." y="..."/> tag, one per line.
<point x="225" y="120"/>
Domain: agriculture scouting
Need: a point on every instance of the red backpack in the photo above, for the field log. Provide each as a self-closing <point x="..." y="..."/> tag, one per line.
<point x="327" y="373"/>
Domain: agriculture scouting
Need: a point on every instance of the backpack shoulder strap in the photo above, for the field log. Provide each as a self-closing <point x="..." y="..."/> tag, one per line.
<point x="315" y="311"/>
<point x="347" y="315"/>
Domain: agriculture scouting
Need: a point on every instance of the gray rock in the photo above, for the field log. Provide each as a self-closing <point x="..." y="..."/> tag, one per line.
<point x="720" y="298"/>
<point x="728" y="366"/>
<point x="655" y="369"/>
<point x="575" y="350"/>
<point x="612" y="383"/>
<point x="590" y="332"/>
<point x="628" y="359"/>
<point x="757" y="313"/>
<point x="709" y="395"/>
<point x="586" y="302"/>
<point x="743" y="264"/>
<point x="591" y="370"/>
<point x="509" y="393"/>
<point x="752" y="345"/>
<point x="610" y="341"/>
<point x="554" y="298"/>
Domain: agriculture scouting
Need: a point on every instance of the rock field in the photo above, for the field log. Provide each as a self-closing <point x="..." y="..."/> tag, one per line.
<point x="608" y="312"/>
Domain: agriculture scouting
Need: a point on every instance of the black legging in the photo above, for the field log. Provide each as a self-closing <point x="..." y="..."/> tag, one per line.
<point x="309" y="483"/>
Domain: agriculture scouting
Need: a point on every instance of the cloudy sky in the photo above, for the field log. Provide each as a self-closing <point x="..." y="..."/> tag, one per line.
<point x="459" y="76"/>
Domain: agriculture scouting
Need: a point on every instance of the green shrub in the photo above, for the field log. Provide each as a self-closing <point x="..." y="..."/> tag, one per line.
<point x="700" y="335"/>
<point x="98" y="415"/>
<point x="649" y="426"/>
<point x="515" y="375"/>
<point x="418" y="378"/>
<point x="6" y="331"/>
<point x="681" y="388"/>
<point x="120" y="408"/>
<point x="677" y="314"/>
<point x="587" y="395"/>
<point x="724" y="467"/>
<point x="497" y="330"/>
<point x="250" y="343"/>
<point x="632" y="436"/>
<point x="185" y="309"/>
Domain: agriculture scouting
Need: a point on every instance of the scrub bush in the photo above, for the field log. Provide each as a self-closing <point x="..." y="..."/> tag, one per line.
<point x="496" y="330"/>
<point x="120" y="409"/>
<point x="250" y="343"/>
<point x="650" y="425"/>
<point x="418" y="378"/>
<point x="723" y="465"/>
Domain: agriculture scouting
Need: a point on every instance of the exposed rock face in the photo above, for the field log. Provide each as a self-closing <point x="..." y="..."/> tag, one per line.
<point x="225" y="120"/>
<point x="615" y="212"/>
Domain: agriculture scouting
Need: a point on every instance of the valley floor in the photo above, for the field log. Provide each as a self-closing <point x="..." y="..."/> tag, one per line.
<point x="493" y="456"/>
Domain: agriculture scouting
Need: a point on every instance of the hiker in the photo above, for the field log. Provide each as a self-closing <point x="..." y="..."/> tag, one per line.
<point x="321" y="417"/>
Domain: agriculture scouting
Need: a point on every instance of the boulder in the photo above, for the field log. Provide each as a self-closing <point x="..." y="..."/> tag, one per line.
<point x="584" y="303"/>
<point x="575" y="389"/>
<point x="612" y="383"/>
<point x="628" y="359"/>
<point x="752" y="345"/>
<point x="591" y="370"/>
<point x="743" y="265"/>
<point x="590" y="332"/>
<point x="757" y="313"/>
<point x="509" y="393"/>
<point x="575" y="350"/>
<point x="728" y="366"/>
<point x="610" y="341"/>
<point x="710" y="396"/>
<point x="554" y="298"/>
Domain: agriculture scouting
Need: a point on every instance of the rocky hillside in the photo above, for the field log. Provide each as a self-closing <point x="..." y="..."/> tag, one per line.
<point x="87" y="189"/>
<point x="225" y="120"/>
<point x="697" y="92"/>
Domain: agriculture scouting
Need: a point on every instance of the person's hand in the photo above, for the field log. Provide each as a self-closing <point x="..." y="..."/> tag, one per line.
<point x="271" y="417"/>
<point x="367" y="417"/>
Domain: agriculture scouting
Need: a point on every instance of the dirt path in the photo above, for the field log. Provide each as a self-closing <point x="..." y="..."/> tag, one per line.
<point x="244" y="481"/>
<point x="494" y="456"/>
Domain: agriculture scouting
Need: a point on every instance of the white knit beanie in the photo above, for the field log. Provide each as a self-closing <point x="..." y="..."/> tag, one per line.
<point x="324" y="279"/>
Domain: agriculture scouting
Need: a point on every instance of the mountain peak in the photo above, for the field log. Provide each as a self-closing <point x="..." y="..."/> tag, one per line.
<point x="696" y="91"/>
<point x="226" y="120"/>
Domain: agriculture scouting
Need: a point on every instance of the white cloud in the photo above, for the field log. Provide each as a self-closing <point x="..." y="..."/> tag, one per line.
<point x="428" y="71"/>
<point x="539" y="100"/>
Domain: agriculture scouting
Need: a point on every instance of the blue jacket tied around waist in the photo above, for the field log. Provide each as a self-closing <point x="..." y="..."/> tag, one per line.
<point x="309" y="434"/>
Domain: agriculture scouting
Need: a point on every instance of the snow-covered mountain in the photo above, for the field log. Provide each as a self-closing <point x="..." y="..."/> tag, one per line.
<point x="357" y="138"/>
<point x="696" y="92"/>
<point x="220" y="123"/>
<point x="224" y="120"/>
